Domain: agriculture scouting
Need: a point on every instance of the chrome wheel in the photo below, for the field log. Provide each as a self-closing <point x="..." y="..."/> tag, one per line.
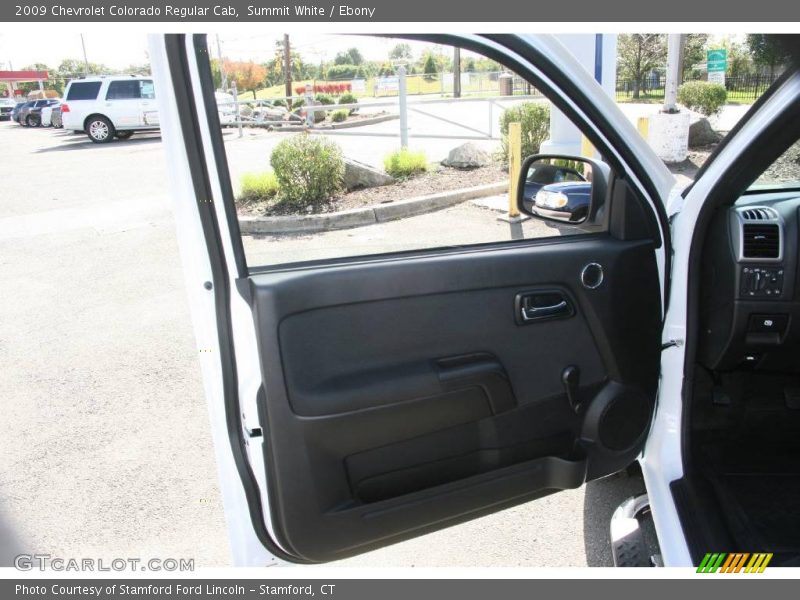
<point x="99" y="130"/>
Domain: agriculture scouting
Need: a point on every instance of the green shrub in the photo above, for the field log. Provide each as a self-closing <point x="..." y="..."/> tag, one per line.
<point x="309" y="170"/>
<point x="298" y="103"/>
<point x="326" y="99"/>
<point x="340" y="115"/>
<point x="343" y="72"/>
<point x="280" y="102"/>
<point x="258" y="187"/>
<point x="348" y="98"/>
<point x="535" y="120"/>
<point x="703" y="97"/>
<point x="405" y="163"/>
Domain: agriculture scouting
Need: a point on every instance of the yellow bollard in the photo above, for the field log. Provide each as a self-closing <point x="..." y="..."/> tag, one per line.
<point x="587" y="149"/>
<point x="514" y="164"/>
<point x="643" y="125"/>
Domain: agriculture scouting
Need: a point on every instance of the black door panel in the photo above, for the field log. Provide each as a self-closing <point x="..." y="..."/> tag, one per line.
<point x="405" y="395"/>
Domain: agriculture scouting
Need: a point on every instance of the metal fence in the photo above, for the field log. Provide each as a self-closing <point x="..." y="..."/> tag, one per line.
<point x="741" y="88"/>
<point x="419" y="84"/>
<point x="248" y="113"/>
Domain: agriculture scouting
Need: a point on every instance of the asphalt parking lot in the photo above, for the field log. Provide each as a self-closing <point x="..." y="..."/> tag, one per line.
<point x="104" y="436"/>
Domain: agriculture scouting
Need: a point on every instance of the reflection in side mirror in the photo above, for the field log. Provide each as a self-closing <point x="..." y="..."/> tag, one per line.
<point x="561" y="188"/>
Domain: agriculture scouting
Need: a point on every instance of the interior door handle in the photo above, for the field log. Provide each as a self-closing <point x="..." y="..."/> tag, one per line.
<point x="537" y="312"/>
<point x="540" y="305"/>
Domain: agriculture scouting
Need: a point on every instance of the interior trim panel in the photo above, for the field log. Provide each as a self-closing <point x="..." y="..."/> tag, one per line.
<point x="404" y="396"/>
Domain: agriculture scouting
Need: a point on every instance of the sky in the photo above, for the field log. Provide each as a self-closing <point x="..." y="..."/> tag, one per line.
<point x="119" y="49"/>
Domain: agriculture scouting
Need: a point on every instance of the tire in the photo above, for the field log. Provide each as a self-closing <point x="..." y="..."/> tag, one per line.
<point x="124" y="135"/>
<point x="32" y="121"/>
<point x="100" y="130"/>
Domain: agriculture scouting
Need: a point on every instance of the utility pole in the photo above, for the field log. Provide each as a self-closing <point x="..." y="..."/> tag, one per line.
<point x="456" y="72"/>
<point x="403" y="106"/>
<point x="223" y="75"/>
<point x="287" y="68"/>
<point x="681" y="58"/>
<point x="85" y="60"/>
<point x="673" y="70"/>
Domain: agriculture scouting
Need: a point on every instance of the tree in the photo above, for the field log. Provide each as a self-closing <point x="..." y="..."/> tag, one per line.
<point x="693" y="52"/>
<point x="740" y="61"/>
<point x="72" y="67"/>
<point x="400" y="52"/>
<point x="216" y="73"/>
<point x="248" y="75"/>
<point x="352" y="56"/>
<point x="429" y="67"/>
<point x="769" y="50"/>
<point x="142" y="69"/>
<point x="638" y="54"/>
<point x="275" y="67"/>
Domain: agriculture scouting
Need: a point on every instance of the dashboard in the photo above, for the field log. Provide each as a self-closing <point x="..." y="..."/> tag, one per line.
<point x="750" y="302"/>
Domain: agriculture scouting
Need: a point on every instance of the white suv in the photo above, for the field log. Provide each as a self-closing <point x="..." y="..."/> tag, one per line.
<point x="111" y="106"/>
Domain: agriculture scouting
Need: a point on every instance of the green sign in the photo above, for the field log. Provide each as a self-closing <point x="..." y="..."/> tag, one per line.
<point x="717" y="60"/>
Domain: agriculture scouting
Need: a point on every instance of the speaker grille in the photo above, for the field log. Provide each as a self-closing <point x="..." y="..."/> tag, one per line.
<point x="624" y="421"/>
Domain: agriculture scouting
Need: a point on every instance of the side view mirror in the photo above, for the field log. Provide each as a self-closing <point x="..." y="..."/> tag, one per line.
<point x="567" y="189"/>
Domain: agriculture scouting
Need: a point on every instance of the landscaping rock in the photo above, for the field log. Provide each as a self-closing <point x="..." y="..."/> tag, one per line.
<point x="357" y="175"/>
<point x="467" y="156"/>
<point x="702" y="134"/>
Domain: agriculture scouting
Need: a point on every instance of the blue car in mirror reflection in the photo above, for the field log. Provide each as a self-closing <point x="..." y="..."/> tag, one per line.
<point x="557" y="192"/>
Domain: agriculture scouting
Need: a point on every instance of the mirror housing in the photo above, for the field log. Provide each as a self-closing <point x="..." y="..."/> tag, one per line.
<point x="561" y="188"/>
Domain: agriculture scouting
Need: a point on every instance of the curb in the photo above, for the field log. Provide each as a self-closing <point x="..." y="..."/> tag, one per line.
<point x="360" y="123"/>
<point x="359" y="217"/>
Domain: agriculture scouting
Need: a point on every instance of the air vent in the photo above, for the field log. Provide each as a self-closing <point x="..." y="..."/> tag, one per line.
<point x="761" y="241"/>
<point x="759" y="214"/>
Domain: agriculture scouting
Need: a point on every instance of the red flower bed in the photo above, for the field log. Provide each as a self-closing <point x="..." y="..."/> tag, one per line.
<point x="335" y="89"/>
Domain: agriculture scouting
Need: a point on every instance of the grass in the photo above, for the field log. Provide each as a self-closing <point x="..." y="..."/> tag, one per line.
<point x="257" y="187"/>
<point x="405" y="163"/>
<point x="340" y="115"/>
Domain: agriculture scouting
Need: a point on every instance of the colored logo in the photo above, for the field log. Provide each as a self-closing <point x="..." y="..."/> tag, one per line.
<point x="737" y="562"/>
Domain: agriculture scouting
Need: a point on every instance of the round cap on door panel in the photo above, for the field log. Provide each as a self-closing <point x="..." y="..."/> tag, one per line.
<point x="592" y="276"/>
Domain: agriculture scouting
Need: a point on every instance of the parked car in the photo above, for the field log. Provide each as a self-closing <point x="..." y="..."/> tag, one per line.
<point x="359" y="401"/>
<point x="15" y="111"/>
<point x="46" y="116"/>
<point x="55" y="118"/>
<point x="110" y="106"/>
<point x="6" y="108"/>
<point x="566" y="201"/>
<point x="30" y="115"/>
<point x="556" y="191"/>
<point x="22" y="107"/>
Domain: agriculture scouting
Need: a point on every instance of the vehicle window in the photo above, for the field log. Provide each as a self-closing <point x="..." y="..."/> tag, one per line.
<point x="784" y="172"/>
<point x="348" y="187"/>
<point x="124" y="90"/>
<point x="147" y="89"/>
<point x="83" y="90"/>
